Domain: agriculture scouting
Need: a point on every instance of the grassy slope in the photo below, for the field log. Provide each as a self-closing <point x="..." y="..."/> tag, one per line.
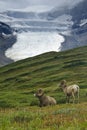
<point x="18" y="81"/>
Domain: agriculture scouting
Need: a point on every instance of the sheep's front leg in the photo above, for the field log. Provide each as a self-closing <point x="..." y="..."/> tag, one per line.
<point x="41" y="104"/>
<point x="67" y="99"/>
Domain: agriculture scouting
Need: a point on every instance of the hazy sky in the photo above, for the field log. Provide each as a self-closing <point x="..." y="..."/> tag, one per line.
<point x="6" y="4"/>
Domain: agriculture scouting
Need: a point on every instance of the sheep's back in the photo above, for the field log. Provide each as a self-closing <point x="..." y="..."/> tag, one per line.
<point x="73" y="88"/>
<point x="51" y="100"/>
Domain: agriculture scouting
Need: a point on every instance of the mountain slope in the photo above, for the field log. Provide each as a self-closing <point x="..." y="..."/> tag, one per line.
<point x="19" y="80"/>
<point x="76" y="36"/>
<point x="79" y="13"/>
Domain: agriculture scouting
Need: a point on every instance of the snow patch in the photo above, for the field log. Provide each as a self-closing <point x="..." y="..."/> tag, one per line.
<point x="83" y="22"/>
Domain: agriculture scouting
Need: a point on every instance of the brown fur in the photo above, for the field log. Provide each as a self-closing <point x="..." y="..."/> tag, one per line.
<point x="44" y="100"/>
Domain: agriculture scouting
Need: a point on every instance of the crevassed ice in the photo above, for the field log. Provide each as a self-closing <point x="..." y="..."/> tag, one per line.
<point x="30" y="44"/>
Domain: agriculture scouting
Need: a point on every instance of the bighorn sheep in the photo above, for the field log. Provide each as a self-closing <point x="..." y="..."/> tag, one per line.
<point x="69" y="91"/>
<point x="44" y="100"/>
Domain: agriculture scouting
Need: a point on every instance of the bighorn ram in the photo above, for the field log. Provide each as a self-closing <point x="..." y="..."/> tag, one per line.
<point x="69" y="91"/>
<point x="44" y="100"/>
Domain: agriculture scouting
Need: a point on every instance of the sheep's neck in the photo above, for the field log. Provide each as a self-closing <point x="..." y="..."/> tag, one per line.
<point x="65" y="89"/>
<point x="41" y="98"/>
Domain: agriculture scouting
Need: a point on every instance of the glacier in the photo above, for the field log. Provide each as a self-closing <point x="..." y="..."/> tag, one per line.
<point x="30" y="44"/>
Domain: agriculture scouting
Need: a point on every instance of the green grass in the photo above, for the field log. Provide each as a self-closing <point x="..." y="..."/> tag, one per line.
<point x="19" y="81"/>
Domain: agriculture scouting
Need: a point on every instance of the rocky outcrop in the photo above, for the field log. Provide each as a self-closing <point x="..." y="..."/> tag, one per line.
<point x="77" y="38"/>
<point x="7" y="39"/>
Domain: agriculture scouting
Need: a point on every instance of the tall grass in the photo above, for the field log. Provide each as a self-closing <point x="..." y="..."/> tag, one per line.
<point x="61" y="117"/>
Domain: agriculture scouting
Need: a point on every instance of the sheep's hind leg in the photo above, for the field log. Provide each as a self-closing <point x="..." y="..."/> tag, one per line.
<point x="78" y="97"/>
<point x="73" y="98"/>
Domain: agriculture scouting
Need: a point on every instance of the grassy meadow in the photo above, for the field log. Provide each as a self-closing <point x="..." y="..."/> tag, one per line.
<point x="18" y="82"/>
<point x="59" y="117"/>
